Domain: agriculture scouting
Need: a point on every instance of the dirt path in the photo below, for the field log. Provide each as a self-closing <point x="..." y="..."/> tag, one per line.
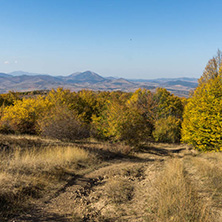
<point x="118" y="191"/>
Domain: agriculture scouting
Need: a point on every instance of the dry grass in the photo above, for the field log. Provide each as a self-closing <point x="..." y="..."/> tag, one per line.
<point x="28" y="172"/>
<point x="209" y="166"/>
<point x="119" y="190"/>
<point x="44" y="160"/>
<point x="115" y="149"/>
<point x="176" y="199"/>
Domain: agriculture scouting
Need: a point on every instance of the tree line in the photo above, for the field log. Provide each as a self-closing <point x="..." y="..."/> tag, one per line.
<point x="133" y="118"/>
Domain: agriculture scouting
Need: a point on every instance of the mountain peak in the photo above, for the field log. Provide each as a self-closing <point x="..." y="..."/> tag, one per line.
<point x="86" y="76"/>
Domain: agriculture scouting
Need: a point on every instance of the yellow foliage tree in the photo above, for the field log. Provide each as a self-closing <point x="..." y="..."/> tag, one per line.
<point x="167" y="130"/>
<point x="8" y="98"/>
<point x="22" y="116"/>
<point x="127" y="119"/>
<point x="167" y="104"/>
<point x="168" y="116"/>
<point x="202" y="125"/>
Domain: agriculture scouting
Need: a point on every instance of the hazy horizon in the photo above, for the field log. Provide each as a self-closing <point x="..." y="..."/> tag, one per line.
<point x="129" y="39"/>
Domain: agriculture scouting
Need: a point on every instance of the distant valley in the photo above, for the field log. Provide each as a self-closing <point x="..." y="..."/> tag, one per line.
<point x="24" y="81"/>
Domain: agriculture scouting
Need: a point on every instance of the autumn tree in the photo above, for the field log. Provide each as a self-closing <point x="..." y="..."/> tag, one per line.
<point x="168" y="116"/>
<point x="212" y="69"/>
<point x="21" y="117"/>
<point x="107" y="125"/>
<point x="140" y="119"/>
<point x="8" y="98"/>
<point x="128" y="117"/>
<point x="62" y="123"/>
<point x="202" y="125"/>
<point x="167" y="130"/>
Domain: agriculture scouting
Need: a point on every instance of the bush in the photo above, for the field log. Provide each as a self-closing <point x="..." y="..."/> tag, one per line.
<point x="167" y="130"/>
<point x="62" y="123"/>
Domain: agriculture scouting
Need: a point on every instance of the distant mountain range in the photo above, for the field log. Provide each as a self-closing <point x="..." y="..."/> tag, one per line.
<point x="25" y="81"/>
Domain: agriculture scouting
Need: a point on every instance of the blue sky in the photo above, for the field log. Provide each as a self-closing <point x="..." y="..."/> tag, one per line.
<point x="125" y="38"/>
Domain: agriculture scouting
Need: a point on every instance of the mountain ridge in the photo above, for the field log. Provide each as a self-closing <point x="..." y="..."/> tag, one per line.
<point x="25" y="81"/>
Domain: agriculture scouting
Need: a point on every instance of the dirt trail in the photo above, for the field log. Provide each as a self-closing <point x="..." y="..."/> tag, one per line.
<point x="116" y="192"/>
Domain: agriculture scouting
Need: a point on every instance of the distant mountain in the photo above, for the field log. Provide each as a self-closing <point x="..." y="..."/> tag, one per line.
<point x="4" y="75"/>
<point x="87" y="76"/>
<point x="74" y="74"/>
<point x="22" y="73"/>
<point x="179" y="86"/>
<point x="111" y="78"/>
<point x="25" y="81"/>
<point x="181" y="83"/>
<point x="158" y="80"/>
<point x="121" y="81"/>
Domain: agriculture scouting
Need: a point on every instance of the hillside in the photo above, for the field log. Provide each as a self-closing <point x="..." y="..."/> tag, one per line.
<point x="25" y="81"/>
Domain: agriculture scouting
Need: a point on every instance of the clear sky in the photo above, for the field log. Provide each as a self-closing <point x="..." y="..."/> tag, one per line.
<point x="126" y="38"/>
